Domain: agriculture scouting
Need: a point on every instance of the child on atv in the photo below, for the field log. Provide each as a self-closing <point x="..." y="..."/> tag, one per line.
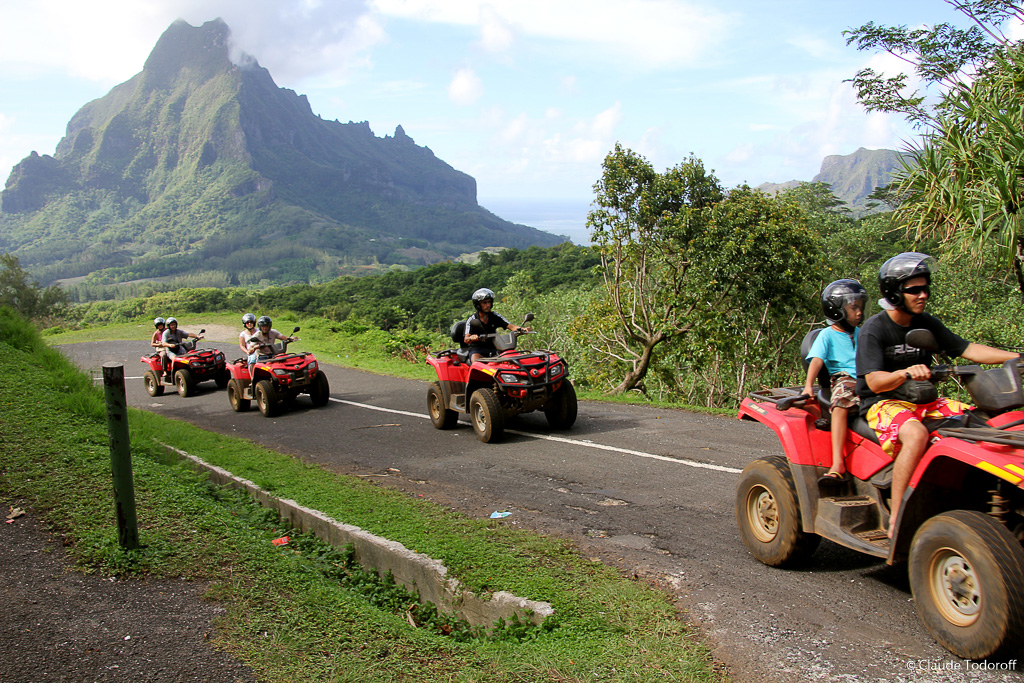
<point x="835" y="347"/>
<point x="157" y="342"/>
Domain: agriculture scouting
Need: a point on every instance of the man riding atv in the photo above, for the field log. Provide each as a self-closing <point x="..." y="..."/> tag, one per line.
<point x="482" y="325"/>
<point x="261" y="344"/>
<point x="892" y="375"/>
<point x="172" y="339"/>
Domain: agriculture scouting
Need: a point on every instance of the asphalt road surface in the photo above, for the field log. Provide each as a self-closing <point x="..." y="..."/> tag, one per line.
<point x="647" y="490"/>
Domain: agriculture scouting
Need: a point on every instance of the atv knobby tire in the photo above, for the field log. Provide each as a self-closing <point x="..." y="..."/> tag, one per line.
<point x="153" y="385"/>
<point x="184" y="381"/>
<point x="561" y="409"/>
<point x="320" y="392"/>
<point x="266" y="397"/>
<point x="236" y="396"/>
<point x="768" y="514"/>
<point x="440" y="415"/>
<point x="486" y="415"/>
<point x="967" y="574"/>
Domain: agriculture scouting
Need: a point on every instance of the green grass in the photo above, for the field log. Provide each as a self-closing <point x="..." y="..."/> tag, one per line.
<point x="287" y="617"/>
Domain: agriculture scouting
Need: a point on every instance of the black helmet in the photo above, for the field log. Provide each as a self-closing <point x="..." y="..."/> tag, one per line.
<point x="899" y="269"/>
<point x="837" y="295"/>
<point x="157" y="322"/>
<point x="264" y="320"/>
<point x="480" y="295"/>
<point x="248" y="318"/>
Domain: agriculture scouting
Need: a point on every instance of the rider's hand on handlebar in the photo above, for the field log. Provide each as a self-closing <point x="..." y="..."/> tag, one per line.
<point x="918" y="372"/>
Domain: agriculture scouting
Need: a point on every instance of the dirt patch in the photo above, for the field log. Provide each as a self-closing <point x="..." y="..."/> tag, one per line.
<point x="61" y="625"/>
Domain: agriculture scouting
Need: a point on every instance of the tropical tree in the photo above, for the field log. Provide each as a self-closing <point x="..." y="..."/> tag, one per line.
<point x="961" y="184"/>
<point x="640" y="227"/>
<point x="25" y="295"/>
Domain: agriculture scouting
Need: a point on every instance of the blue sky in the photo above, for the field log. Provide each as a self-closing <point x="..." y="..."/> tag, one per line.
<point x="527" y="96"/>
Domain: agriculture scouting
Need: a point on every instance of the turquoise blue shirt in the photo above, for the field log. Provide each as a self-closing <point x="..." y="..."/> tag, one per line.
<point x="837" y="349"/>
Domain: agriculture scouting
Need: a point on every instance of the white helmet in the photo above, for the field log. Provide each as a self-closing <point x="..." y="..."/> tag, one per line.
<point x="248" y="318"/>
<point x="157" y="322"/>
<point x="172" y="320"/>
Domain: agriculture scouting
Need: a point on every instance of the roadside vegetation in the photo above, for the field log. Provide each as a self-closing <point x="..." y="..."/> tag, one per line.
<point x="298" y="612"/>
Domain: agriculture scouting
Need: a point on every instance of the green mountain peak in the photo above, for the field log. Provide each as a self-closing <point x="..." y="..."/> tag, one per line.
<point x="201" y="165"/>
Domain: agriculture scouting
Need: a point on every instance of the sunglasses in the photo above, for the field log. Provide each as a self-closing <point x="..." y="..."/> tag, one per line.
<point x="919" y="289"/>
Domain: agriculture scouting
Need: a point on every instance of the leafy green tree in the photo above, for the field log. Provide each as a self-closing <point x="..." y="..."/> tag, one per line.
<point x="962" y="183"/>
<point x="641" y="222"/>
<point x="25" y="295"/>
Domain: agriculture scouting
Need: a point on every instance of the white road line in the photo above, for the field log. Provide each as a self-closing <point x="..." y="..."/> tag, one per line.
<point x="562" y="439"/>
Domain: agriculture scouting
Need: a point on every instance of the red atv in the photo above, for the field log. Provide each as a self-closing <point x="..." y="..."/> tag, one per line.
<point x="190" y="368"/>
<point x="961" y="522"/>
<point x="278" y="379"/>
<point x="494" y="389"/>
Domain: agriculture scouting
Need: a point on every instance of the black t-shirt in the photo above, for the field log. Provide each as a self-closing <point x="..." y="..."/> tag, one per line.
<point x="477" y="326"/>
<point x="882" y="346"/>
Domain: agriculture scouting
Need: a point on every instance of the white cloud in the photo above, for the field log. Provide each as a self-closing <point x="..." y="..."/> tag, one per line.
<point x="465" y="87"/>
<point x="648" y="33"/>
<point x="495" y="34"/>
<point x="109" y="42"/>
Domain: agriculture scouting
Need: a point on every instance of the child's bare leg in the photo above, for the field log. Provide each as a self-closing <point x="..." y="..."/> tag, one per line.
<point x="839" y="428"/>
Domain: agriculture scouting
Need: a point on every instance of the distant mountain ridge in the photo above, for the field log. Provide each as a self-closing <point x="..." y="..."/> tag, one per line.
<point x="853" y="177"/>
<point x="197" y="164"/>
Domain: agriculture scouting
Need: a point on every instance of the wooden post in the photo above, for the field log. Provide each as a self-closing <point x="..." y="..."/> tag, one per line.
<point x="120" y="455"/>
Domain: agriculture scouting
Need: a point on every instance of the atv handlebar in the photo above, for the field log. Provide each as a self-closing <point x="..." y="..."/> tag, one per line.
<point x="790" y="401"/>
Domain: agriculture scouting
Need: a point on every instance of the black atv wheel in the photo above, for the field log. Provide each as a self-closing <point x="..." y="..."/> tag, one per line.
<point x="185" y="383"/>
<point x="486" y="415"/>
<point x="440" y="416"/>
<point x="236" y="396"/>
<point x="560" y="410"/>
<point x="153" y="385"/>
<point x="320" y="392"/>
<point x="266" y="397"/>
<point x="967" y="574"/>
<point x="222" y="379"/>
<point x="768" y="514"/>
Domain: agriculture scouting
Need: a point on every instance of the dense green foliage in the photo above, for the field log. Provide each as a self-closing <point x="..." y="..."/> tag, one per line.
<point x="961" y="183"/>
<point x="301" y="612"/>
<point x="24" y="295"/>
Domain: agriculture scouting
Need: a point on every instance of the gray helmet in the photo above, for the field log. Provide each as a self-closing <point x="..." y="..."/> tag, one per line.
<point x="264" y="320"/>
<point x="172" y="320"/>
<point x="837" y="296"/>
<point x="899" y="269"/>
<point x="248" y="318"/>
<point x="157" y="322"/>
<point x="480" y="295"/>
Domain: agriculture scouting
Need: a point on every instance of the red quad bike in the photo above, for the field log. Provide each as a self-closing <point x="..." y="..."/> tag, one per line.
<point x="278" y="379"/>
<point x="190" y="368"/>
<point x="961" y="522"/>
<point x="492" y="390"/>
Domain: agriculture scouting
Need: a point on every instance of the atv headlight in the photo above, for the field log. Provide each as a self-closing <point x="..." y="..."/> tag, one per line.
<point x="510" y="378"/>
<point x="220" y="357"/>
<point x="312" y="366"/>
<point x="280" y="372"/>
<point x="557" y="369"/>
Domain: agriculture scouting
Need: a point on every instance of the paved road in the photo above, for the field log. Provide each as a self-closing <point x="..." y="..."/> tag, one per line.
<point x="648" y="490"/>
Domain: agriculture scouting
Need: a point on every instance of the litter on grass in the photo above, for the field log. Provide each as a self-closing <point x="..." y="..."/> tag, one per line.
<point x="281" y="541"/>
<point x="500" y="514"/>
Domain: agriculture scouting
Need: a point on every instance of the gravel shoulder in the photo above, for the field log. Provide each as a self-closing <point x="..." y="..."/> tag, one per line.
<point x="62" y="625"/>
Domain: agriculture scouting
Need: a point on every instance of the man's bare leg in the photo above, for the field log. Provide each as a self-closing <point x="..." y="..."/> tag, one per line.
<point x="913" y="438"/>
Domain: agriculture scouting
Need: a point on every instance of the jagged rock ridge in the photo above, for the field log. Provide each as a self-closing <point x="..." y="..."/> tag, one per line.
<point x="199" y="164"/>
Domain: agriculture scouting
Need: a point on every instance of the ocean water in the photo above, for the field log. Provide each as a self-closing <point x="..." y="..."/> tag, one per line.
<point x="558" y="216"/>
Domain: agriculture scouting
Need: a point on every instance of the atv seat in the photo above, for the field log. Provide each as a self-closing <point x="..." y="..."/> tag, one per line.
<point x="458" y="335"/>
<point x="824" y="379"/>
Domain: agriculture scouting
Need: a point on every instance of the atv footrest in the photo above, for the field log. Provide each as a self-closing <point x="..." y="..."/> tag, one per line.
<point x="851" y="521"/>
<point x="876" y="537"/>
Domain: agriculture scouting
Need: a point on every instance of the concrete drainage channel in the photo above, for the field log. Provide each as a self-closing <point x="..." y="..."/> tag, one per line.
<point x="417" y="572"/>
